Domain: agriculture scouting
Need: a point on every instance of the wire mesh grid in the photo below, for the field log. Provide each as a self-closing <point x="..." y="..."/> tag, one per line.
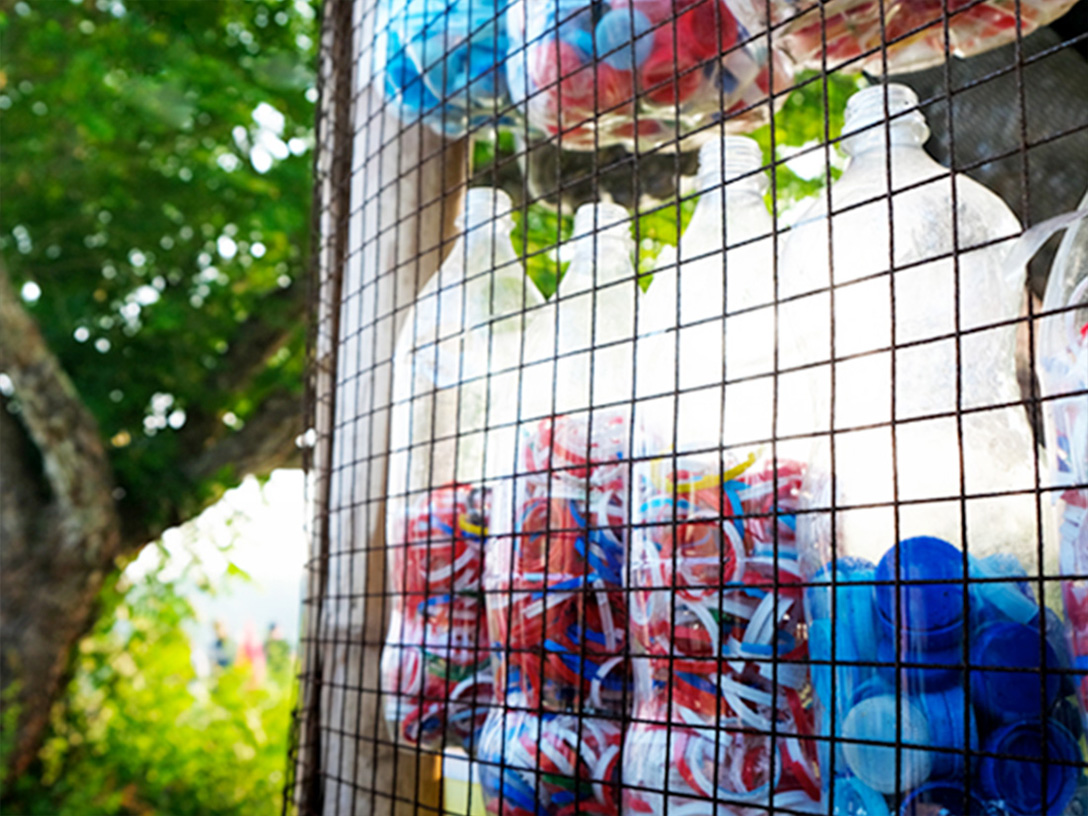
<point x="656" y="506"/>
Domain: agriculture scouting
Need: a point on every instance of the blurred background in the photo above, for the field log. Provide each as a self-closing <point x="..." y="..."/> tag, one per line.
<point x="156" y="173"/>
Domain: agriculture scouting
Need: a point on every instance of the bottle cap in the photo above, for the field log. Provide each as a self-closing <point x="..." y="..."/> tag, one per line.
<point x="921" y="670"/>
<point x="875" y="719"/>
<point x="1019" y="783"/>
<point x="946" y="797"/>
<point x="930" y="615"/>
<point x="945" y="712"/>
<point x="854" y="627"/>
<point x="854" y="798"/>
<point x="1005" y="696"/>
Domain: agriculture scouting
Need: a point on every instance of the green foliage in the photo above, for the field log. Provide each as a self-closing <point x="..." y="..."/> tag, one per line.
<point x="140" y="733"/>
<point x="536" y="238"/>
<point x="161" y="221"/>
<point x="810" y="117"/>
<point x="9" y="722"/>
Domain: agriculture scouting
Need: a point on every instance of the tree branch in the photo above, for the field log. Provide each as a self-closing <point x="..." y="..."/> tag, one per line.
<point x="264" y="443"/>
<point x="260" y="337"/>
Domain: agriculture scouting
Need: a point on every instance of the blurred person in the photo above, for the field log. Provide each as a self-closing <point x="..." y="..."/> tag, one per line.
<point x="277" y="652"/>
<point x="251" y="653"/>
<point x="223" y="649"/>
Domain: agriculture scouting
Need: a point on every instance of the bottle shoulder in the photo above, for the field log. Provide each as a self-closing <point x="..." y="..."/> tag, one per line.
<point x="925" y="211"/>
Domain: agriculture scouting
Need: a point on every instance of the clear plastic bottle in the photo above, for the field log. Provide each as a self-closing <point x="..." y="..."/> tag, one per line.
<point x="920" y="536"/>
<point x="893" y="210"/>
<point x="1062" y="344"/>
<point x="462" y="333"/>
<point x="556" y="559"/>
<point x="716" y="604"/>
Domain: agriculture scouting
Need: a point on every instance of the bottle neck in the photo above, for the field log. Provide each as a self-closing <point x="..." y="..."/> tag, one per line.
<point x="602" y="261"/>
<point x="735" y="164"/>
<point x="482" y="206"/>
<point x="742" y="191"/>
<point x="482" y="244"/>
<point x="879" y="139"/>
<point x="883" y="117"/>
<point x="602" y="245"/>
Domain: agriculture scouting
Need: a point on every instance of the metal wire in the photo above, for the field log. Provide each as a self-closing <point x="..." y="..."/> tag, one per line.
<point x="386" y="190"/>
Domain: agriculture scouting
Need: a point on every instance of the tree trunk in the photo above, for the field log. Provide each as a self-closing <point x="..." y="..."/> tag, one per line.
<point x="60" y="529"/>
<point x="48" y="589"/>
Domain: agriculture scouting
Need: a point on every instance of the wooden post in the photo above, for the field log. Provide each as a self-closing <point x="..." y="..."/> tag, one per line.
<point x="388" y="196"/>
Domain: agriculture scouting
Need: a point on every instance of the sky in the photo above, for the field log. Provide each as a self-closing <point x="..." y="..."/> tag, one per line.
<point x="260" y="530"/>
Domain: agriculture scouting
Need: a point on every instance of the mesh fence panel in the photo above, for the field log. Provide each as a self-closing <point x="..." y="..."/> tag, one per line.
<point x="638" y="482"/>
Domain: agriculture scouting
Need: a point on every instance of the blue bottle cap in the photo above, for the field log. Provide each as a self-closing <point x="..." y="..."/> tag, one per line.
<point x="854" y="798"/>
<point x="931" y="615"/>
<point x="846" y="571"/>
<point x="854" y="627"/>
<point x="921" y="670"/>
<point x="1007" y="696"/>
<point x="1010" y="598"/>
<point x="614" y="32"/>
<point x="1019" y="783"/>
<point x="875" y="719"/>
<point x="944" y="797"/>
<point x="951" y="725"/>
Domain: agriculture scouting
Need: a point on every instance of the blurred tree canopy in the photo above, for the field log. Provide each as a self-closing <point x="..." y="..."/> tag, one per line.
<point x="156" y="175"/>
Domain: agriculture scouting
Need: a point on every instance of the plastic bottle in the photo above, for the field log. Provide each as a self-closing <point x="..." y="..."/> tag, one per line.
<point x="917" y="565"/>
<point x="449" y="388"/>
<point x="915" y="232"/>
<point x="556" y="559"/>
<point x="716" y="605"/>
<point x="1062" y="344"/>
